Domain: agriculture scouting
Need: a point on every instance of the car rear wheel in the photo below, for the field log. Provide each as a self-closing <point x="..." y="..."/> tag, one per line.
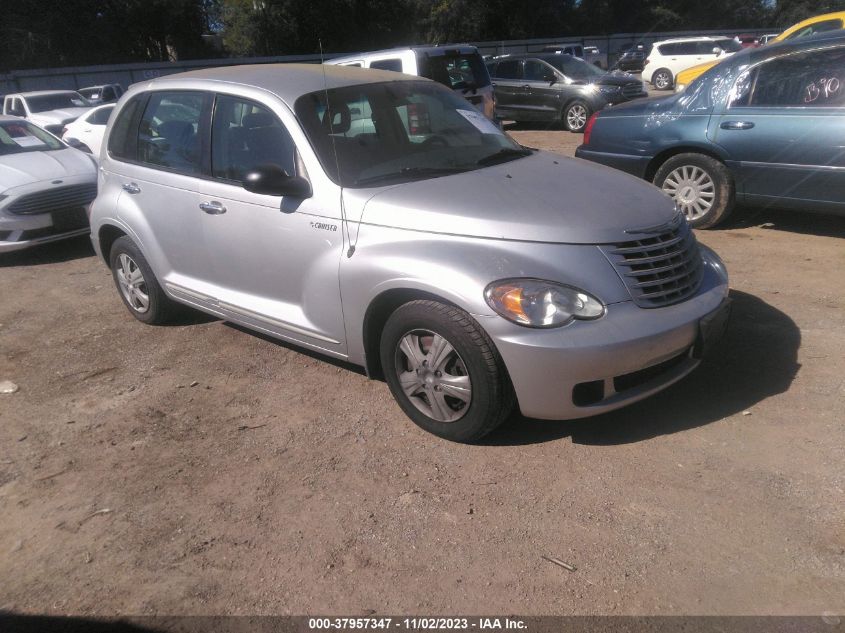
<point x="444" y="371"/>
<point x="137" y="285"/>
<point x="662" y="79"/>
<point x="576" y="116"/>
<point x="701" y="186"/>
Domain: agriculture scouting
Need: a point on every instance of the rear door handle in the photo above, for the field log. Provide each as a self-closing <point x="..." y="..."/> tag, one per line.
<point x="131" y="187"/>
<point x="212" y="208"/>
<point x="736" y="125"/>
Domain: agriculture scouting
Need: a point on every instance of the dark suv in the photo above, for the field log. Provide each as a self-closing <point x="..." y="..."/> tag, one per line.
<point x="632" y="58"/>
<point x="556" y="88"/>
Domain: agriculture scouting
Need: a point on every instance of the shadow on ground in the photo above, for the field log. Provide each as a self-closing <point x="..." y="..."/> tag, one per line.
<point x="791" y="221"/>
<point x="757" y="359"/>
<point x="52" y="253"/>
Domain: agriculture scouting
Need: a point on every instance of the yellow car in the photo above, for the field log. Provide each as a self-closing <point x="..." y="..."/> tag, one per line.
<point x="810" y="26"/>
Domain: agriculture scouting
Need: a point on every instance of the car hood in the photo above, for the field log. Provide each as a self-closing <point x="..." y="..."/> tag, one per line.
<point x="57" y="116"/>
<point x="540" y="198"/>
<point x="28" y="167"/>
<point x="617" y="79"/>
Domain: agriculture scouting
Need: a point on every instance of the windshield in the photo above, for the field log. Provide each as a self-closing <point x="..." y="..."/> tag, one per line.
<point x="459" y="72"/>
<point x="573" y="67"/>
<point x="729" y="46"/>
<point x="21" y="136"/>
<point x="58" y="101"/>
<point x="394" y="132"/>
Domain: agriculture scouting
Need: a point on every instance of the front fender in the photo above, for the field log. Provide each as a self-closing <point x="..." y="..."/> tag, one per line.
<point x="458" y="269"/>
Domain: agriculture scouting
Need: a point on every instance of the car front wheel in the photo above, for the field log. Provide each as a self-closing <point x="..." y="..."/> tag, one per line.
<point x="444" y="371"/>
<point x="701" y="186"/>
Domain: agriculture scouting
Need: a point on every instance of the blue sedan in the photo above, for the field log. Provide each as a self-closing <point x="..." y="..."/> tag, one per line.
<point x="765" y="127"/>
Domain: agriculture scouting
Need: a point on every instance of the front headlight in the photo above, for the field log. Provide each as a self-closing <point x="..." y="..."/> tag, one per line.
<point x="608" y="89"/>
<point x="541" y="304"/>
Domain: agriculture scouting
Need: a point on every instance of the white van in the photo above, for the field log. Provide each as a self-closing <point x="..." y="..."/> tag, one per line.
<point x="458" y="67"/>
<point x="669" y="57"/>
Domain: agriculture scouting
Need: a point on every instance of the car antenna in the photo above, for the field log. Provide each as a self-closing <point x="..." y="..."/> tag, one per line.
<point x="343" y="219"/>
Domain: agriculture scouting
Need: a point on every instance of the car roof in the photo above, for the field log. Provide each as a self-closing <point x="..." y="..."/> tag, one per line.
<point x="287" y="81"/>
<point x="462" y="48"/>
<point x="536" y="55"/>
<point x="701" y="38"/>
<point x="755" y="55"/>
<point x="815" y="19"/>
<point x="41" y="93"/>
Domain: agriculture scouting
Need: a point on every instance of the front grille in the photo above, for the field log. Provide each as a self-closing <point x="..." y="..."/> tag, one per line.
<point x="631" y="90"/>
<point x="661" y="269"/>
<point x="54" y="198"/>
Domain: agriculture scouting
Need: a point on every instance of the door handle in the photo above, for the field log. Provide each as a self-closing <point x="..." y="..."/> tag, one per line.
<point x="212" y="208"/>
<point x="736" y="125"/>
<point x="131" y="187"/>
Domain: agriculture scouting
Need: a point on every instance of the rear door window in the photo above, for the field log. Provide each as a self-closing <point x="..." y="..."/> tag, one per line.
<point x="169" y="134"/>
<point x="509" y="69"/>
<point x="809" y="80"/>
<point x="457" y="71"/>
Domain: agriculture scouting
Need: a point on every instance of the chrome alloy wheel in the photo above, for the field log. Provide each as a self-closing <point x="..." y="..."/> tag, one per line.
<point x="662" y="80"/>
<point x="132" y="284"/>
<point x="692" y="189"/>
<point x="433" y="375"/>
<point x="576" y="117"/>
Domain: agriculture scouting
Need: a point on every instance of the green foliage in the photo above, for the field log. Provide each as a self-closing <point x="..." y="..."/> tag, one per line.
<point x="80" y="32"/>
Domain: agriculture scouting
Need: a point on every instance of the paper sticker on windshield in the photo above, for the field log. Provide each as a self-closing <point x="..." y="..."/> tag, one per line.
<point x="481" y="122"/>
<point x="28" y="141"/>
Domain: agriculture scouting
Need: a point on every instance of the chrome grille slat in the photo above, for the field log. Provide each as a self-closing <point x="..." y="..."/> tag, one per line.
<point x="686" y="258"/>
<point x="648" y="247"/>
<point x="53" y="199"/>
<point x="660" y="269"/>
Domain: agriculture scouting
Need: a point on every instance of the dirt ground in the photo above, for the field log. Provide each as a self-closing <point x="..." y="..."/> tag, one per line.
<point x="200" y="469"/>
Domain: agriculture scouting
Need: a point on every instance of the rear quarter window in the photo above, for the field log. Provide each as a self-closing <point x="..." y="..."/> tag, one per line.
<point x="388" y="64"/>
<point x="123" y="139"/>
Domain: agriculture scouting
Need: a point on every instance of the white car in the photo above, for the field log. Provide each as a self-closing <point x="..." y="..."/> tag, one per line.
<point x="669" y="57"/>
<point x="86" y="133"/>
<point x="46" y="187"/>
<point x="50" y="109"/>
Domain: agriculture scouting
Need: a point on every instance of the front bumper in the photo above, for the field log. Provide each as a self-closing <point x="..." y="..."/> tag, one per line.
<point x="21" y="231"/>
<point x="592" y="367"/>
<point x="634" y="165"/>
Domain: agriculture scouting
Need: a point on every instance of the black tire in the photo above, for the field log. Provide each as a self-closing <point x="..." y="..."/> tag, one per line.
<point x="492" y="398"/>
<point x="662" y="79"/>
<point x="576" y="115"/>
<point x="723" y="189"/>
<point x="160" y="308"/>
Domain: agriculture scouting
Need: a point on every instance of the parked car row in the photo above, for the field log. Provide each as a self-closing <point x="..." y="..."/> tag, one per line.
<point x="386" y="220"/>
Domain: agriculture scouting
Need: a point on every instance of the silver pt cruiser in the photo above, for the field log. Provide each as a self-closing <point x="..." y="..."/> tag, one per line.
<point x="381" y="219"/>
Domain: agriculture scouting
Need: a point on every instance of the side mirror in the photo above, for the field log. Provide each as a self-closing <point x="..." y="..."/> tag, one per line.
<point x="272" y="180"/>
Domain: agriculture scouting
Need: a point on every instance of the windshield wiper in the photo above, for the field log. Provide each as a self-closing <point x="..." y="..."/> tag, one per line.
<point x="412" y="173"/>
<point x="503" y="155"/>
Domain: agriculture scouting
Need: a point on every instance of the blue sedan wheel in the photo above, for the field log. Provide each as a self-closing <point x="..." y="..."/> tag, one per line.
<point x="701" y="186"/>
